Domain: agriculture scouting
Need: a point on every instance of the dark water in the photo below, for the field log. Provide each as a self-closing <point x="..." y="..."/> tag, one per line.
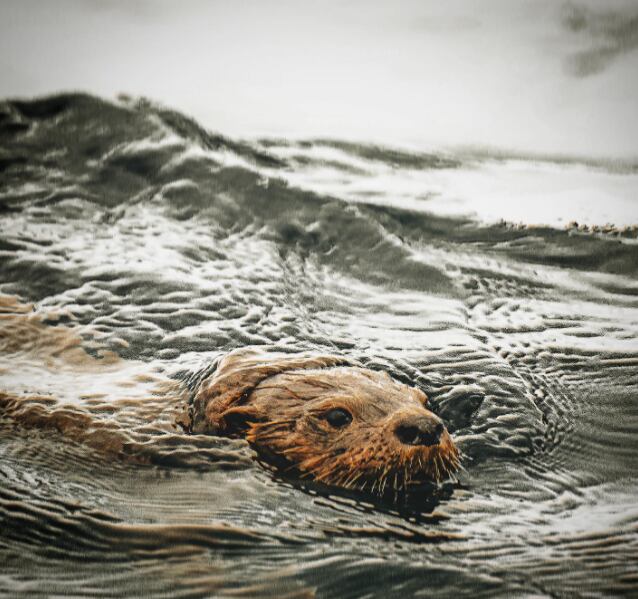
<point x="135" y="248"/>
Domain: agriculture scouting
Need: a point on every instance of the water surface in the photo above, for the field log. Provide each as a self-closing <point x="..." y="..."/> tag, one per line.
<point x="136" y="248"/>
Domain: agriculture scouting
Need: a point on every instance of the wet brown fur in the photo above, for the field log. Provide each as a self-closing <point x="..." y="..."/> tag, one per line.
<point x="278" y="404"/>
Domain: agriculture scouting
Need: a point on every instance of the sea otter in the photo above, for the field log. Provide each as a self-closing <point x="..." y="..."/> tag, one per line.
<point x="328" y="418"/>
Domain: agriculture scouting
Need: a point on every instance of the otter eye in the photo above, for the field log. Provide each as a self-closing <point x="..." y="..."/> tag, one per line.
<point x="338" y="417"/>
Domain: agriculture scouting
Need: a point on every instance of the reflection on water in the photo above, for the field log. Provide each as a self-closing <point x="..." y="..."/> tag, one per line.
<point x="137" y="248"/>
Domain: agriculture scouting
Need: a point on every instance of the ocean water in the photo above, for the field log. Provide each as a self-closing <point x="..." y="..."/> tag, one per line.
<point x="136" y="248"/>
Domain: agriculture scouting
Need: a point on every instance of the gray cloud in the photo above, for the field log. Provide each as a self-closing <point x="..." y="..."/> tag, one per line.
<point x="607" y="33"/>
<point x="135" y="9"/>
<point x="445" y="24"/>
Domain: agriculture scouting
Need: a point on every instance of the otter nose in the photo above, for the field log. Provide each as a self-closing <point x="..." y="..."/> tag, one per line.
<point x="420" y="430"/>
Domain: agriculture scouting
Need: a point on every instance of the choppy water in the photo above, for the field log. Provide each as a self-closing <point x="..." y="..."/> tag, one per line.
<point x="135" y="248"/>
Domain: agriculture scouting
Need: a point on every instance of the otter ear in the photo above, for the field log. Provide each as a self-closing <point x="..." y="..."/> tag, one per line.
<point x="238" y="374"/>
<point x="237" y="420"/>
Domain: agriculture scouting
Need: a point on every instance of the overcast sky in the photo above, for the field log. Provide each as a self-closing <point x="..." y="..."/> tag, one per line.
<point x="544" y="76"/>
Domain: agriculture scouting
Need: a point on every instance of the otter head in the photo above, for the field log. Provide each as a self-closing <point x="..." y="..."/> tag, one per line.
<point x="329" y="419"/>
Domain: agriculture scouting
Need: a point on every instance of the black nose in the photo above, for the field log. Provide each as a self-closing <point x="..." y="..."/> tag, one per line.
<point x="420" y="431"/>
